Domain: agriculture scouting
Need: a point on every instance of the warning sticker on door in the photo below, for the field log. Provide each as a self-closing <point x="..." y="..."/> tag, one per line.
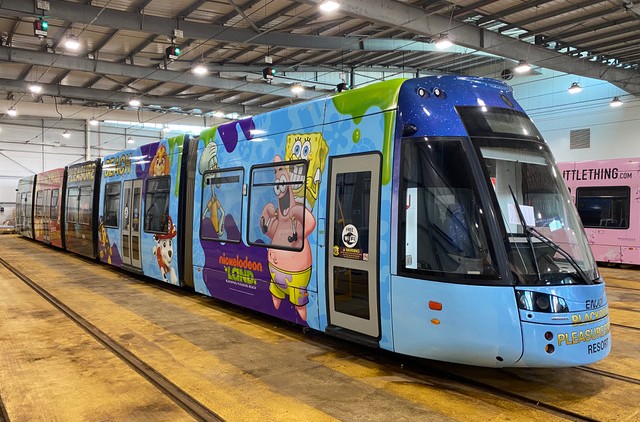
<point x="350" y="239"/>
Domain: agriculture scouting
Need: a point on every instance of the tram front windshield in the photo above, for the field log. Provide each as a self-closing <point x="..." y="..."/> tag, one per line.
<point x="543" y="237"/>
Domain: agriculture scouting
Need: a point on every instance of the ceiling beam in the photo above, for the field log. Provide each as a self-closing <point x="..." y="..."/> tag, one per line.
<point x="416" y="20"/>
<point x="117" y="19"/>
<point x="104" y="97"/>
<point x="82" y="64"/>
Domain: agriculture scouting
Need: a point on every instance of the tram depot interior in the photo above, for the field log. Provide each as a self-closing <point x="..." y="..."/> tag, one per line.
<point x="84" y="79"/>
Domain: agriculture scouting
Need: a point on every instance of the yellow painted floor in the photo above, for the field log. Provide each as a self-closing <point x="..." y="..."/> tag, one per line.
<point x="244" y="366"/>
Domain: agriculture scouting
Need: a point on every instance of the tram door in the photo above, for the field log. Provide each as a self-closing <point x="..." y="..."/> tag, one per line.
<point x="352" y="252"/>
<point x="131" y="205"/>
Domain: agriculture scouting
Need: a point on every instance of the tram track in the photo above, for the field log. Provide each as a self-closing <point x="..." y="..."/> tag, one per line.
<point x="179" y="396"/>
<point x="509" y="395"/>
<point x="609" y="374"/>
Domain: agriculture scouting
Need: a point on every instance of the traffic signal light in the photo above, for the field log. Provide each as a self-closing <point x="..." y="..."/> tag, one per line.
<point x="172" y="52"/>
<point x="268" y="73"/>
<point x="343" y="86"/>
<point x="40" y="27"/>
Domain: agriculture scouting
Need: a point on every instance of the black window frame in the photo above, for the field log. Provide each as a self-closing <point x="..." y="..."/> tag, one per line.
<point x="108" y="194"/>
<point x="68" y="208"/>
<point x="477" y="187"/>
<point x="150" y="202"/>
<point x="580" y="191"/>
<point x="251" y="224"/>
<point x="240" y="193"/>
<point x="54" y="208"/>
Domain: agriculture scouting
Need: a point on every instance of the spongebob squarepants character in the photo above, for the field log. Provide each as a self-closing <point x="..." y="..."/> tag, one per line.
<point x="313" y="148"/>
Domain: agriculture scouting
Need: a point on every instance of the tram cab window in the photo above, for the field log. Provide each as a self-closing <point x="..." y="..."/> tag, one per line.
<point x="443" y="220"/>
<point x="156" y="213"/>
<point x="605" y="207"/>
<point x="277" y="205"/>
<point x="221" y="213"/>
<point x="111" y="204"/>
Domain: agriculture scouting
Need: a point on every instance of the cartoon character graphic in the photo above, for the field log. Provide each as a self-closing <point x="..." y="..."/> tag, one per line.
<point x="313" y="148"/>
<point x="163" y="251"/>
<point x="160" y="165"/>
<point x="209" y="161"/>
<point x="290" y="270"/>
<point x="103" y="243"/>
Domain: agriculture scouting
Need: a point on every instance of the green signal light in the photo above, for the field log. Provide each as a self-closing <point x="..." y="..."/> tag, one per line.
<point x="44" y="24"/>
<point x="177" y="51"/>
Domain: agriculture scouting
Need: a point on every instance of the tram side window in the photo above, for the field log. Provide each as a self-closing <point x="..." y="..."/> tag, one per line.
<point x="40" y="203"/>
<point x="276" y="205"/>
<point x="72" y="205"/>
<point x="443" y="223"/>
<point x="156" y="213"/>
<point x="604" y="206"/>
<point x="111" y="204"/>
<point x="53" y="210"/>
<point x="84" y="205"/>
<point x="221" y="213"/>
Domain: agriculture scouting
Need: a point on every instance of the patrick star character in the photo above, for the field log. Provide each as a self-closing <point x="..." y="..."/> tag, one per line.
<point x="290" y="269"/>
<point x="209" y="161"/>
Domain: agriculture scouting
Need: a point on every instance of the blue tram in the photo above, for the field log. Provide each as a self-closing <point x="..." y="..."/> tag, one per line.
<point x="423" y="216"/>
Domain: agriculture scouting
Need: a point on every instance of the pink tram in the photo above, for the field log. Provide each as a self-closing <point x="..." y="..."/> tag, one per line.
<point x="606" y="194"/>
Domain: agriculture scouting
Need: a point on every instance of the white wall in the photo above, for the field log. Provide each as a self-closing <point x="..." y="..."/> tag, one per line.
<point x="615" y="132"/>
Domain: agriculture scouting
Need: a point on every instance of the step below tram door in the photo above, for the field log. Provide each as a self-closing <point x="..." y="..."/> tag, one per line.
<point x="352" y="244"/>
<point x="131" y="206"/>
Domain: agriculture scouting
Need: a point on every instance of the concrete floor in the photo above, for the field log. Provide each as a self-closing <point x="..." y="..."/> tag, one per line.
<point x="244" y="366"/>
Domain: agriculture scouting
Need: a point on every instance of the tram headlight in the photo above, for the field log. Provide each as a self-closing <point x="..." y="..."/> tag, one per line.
<point x="541" y="302"/>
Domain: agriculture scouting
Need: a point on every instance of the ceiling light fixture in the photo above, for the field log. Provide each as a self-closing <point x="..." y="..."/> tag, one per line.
<point x="443" y="42"/>
<point x="66" y="134"/>
<point x="165" y="129"/>
<point x="523" y="66"/>
<point x="130" y="140"/>
<point x="12" y="112"/>
<point x="616" y="102"/>
<point x="574" y="88"/>
<point x="218" y="114"/>
<point x="297" y="89"/>
<point x="72" y="42"/>
<point x="35" y="88"/>
<point x="200" y="69"/>
<point x="134" y="102"/>
<point x="93" y="121"/>
<point x="329" y="6"/>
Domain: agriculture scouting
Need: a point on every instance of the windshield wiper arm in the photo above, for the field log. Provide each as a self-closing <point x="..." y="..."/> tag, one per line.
<point x="544" y="239"/>
<point x="527" y="234"/>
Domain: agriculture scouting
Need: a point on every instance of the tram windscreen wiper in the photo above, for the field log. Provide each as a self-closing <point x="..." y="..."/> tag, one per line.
<point x="527" y="234"/>
<point x="532" y="231"/>
<point x="553" y="245"/>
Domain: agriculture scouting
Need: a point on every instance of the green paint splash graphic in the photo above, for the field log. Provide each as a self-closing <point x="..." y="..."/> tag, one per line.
<point x="383" y="95"/>
<point x="176" y="142"/>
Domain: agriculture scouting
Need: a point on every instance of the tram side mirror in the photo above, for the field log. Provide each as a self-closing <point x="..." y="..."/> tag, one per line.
<point x="409" y="129"/>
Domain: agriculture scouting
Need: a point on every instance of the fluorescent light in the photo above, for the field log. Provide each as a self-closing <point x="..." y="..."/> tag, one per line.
<point x="166" y="129"/>
<point x="616" y="102"/>
<point x="297" y="89"/>
<point x="130" y="140"/>
<point x="329" y="6"/>
<point x="12" y="112"/>
<point x="443" y="42"/>
<point x="72" y="42"/>
<point x="66" y="134"/>
<point x="35" y="88"/>
<point x="574" y="88"/>
<point x="523" y="66"/>
<point x="134" y="102"/>
<point x="218" y="114"/>
<point x="93" y="121"/>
